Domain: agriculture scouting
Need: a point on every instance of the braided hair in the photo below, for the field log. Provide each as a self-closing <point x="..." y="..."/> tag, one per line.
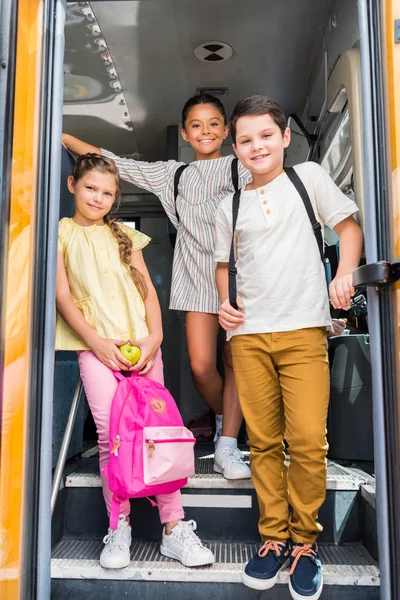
<point x="102" y="164"/>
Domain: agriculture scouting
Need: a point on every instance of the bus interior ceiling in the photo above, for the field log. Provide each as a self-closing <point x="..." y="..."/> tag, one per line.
<point x="130" y="66"/>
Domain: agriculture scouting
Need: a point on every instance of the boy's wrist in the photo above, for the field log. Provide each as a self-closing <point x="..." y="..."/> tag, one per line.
<point x="345" y="270"/>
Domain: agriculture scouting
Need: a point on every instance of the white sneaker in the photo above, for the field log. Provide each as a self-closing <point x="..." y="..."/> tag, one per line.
<point x="229" y="461"/>
<point x="184" y="545"/>
<point x="116" y="553"/>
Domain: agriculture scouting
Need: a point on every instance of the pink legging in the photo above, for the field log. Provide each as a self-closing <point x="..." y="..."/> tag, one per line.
<point x="100" y="386"/>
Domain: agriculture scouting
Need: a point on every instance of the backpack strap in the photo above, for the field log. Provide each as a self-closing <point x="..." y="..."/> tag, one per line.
<point x="179" y="171"/>
<point x="177" y="177"/>
<point x="118" y="375"/>
<point x="232" y="271"/>
<point x="235" y="174"/>
<point x="301" y="189"/>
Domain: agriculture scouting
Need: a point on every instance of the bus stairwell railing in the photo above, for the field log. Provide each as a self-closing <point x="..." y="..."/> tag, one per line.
<point x="62" y="457"/>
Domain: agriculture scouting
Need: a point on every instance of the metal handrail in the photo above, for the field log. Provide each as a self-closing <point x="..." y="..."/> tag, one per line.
<point x="62" y="457"/>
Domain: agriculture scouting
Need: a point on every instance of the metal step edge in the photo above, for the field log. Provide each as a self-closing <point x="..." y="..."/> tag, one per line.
<point x="339" y="478"/>
<point x="368" y="493"/>
<point x="342" y="565"/>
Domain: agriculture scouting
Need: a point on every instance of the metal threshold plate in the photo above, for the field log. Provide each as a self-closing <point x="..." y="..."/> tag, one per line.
<point x="86" y="474"/>
<point x="79" y="559"/>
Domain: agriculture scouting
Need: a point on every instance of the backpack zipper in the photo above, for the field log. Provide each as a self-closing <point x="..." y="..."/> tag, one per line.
<point x="116" y="445"/>
<point x="152" y="443"/>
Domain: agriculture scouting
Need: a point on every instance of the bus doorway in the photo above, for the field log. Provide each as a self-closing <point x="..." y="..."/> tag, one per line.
<point x="128" y="67"/>
<point x="126" y="96"/>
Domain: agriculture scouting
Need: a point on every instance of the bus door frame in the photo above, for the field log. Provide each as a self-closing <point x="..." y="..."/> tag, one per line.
<point x="379" y="236"/>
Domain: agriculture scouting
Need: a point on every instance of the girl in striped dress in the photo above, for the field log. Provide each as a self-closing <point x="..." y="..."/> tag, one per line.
<point x="203" y="184"/>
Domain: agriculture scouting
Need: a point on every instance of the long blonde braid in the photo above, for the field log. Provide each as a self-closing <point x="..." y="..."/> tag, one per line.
<point x="125" y="253"/>
<point x="102" y="164"/>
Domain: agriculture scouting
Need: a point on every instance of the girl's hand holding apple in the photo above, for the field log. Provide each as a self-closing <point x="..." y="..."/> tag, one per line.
<point x="108" y="351"/>
<point x="149" y="347"/>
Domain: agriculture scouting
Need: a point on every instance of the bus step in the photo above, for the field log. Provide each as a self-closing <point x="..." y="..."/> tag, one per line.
<point x="85" y="473"/>
<point x="224" y="510"/>
<point x="349" y="573"/>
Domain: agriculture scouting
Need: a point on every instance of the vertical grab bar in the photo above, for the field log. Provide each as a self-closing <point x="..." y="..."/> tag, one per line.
<point x="65" y="444"/>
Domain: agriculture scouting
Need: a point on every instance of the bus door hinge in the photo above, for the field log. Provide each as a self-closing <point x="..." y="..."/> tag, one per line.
<point x="378" y="275"/>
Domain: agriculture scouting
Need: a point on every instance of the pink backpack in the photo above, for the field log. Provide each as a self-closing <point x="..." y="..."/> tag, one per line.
<point x="151" y="451"/>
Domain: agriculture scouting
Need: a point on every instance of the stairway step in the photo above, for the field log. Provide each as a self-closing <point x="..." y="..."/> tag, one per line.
<point x="368" y="493"/>
<point x="225" y="510"/>
<point x="348" y="565"/>
<point x="368" y="524"/>
<point x="339" y="478"/>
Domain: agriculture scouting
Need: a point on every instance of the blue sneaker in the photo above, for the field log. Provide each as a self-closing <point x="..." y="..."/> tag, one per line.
<point x="306" y="580"/>
<point x="261" y="572"/>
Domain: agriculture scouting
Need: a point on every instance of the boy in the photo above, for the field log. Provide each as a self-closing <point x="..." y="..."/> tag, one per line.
<point x="278" y="336"/>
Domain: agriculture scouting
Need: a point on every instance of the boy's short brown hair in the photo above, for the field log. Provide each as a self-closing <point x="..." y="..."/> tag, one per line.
<point x="257" y="105"/>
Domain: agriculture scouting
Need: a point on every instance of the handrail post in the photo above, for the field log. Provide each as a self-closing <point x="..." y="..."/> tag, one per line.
<point x="62" y="457"/>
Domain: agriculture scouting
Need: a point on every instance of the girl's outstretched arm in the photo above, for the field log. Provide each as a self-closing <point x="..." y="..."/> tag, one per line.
<point x="78" y="146"/>
<point x="155" y="177"/>
<point x="106" y="350"/>
<point x="149" y="346"/>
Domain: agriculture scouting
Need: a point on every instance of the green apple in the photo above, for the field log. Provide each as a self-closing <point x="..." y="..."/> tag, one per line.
<point x="131" y="353"/>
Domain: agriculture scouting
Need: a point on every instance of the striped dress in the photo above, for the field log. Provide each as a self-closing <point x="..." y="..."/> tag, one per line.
<point x="201" y="188"/>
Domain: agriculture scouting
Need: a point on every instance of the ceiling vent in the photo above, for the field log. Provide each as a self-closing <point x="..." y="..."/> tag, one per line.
<point x="214" y="91"/>
<point x="213" y="52"/>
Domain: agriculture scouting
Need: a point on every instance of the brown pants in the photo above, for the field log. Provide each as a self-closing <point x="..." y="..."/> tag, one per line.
<point x="290" y="369"/>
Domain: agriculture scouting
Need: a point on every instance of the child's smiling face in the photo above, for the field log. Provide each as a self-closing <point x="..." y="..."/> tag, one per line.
<point x="260" y="144"/>
<point x="205" y="130"/>
<point x="94" y="195"/>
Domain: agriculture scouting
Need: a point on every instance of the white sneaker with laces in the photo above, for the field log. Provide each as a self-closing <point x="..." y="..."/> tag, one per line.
<point x="116" y="552"/>
<point x="229" y="461"/>
<point x="184" y="545"/>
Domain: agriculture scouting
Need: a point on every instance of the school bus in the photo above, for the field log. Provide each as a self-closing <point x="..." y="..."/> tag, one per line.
<point x="116" y="73"/>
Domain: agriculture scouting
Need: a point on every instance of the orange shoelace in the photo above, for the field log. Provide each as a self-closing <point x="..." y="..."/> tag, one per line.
<point x="298" y="552"/>
<point x="276" y="547"/>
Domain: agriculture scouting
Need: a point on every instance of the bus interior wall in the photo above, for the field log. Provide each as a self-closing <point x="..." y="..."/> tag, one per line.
<point x="130" y="66"/>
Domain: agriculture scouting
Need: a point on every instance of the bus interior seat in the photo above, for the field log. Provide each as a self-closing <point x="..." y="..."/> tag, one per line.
<point x="350" y="431"/>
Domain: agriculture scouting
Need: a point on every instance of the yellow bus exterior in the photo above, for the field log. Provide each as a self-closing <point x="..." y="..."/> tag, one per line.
<point x="18" y="294"/>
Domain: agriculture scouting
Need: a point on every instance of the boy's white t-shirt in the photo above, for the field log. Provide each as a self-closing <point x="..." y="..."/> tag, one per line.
<point x="280" y="277"/>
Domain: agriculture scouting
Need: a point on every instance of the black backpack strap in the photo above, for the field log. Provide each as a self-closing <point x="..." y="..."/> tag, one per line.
<point x="300" y="187"/>
<point x="235" y="174"/>
<point x="177" y="177"/>
<point x="232" y="271"/>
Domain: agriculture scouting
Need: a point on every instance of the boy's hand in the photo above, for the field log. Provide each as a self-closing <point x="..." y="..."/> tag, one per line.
<point x="230" y="318"/>
<point x="341" y="290"/>
<point x="149" y="347"/>
<point x="338" y="327"/>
